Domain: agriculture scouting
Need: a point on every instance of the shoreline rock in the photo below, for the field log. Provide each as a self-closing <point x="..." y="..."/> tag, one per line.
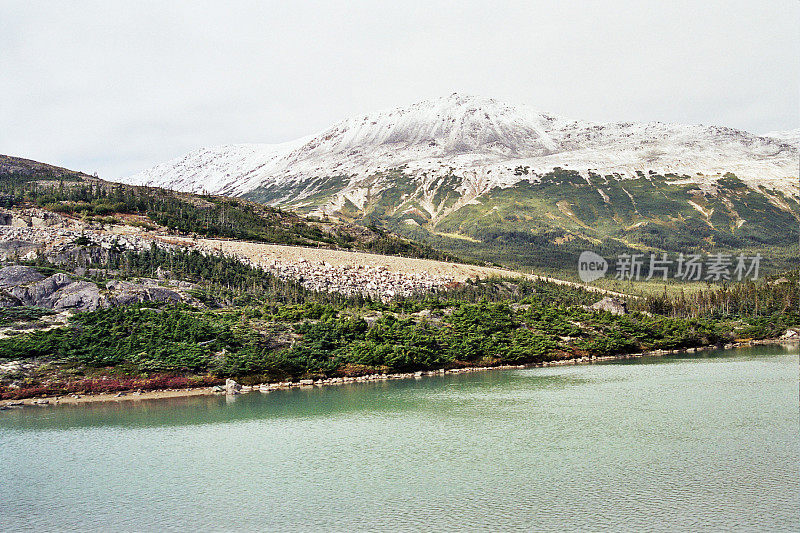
<point x="231" y="387"/>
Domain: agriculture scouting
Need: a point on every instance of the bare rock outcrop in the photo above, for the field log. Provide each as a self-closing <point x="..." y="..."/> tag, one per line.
<point x="791" y="333"/>
<point x="16" y="275"/>
<point x="39" y="292"/>
<point x="23" y="285"/>
<point x="231" y="387"/>
<point x="58" y="292"/>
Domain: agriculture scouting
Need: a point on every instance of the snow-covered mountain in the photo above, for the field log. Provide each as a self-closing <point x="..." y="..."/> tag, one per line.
<point x="481" y="141"/>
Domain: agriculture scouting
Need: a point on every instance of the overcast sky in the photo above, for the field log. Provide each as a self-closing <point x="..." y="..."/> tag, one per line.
<point x="115" y="87"/>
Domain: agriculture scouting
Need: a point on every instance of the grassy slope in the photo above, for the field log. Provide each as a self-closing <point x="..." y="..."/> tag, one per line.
<point x="546" y="224"/>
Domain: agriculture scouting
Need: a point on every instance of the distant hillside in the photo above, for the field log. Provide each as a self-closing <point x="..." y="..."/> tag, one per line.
<point x="549" y="221"/>
<point x="27" y="183"/>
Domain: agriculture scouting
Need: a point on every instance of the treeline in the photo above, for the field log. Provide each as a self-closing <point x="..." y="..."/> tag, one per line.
<point x="751" y="298"/>
<point x="221" y="281"/>
<point x="386" y="243"/>
<point x="202" y="215"/>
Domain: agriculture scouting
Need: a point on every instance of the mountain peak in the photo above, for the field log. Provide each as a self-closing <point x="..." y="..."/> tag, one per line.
<point x="450" y="125"/>
<point x="467" y="102"/>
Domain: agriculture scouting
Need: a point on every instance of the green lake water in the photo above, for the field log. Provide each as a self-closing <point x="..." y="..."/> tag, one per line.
<point x="708" y="441"/>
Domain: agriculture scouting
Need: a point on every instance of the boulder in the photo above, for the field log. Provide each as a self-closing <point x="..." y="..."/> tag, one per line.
<point x="22" y="285"/>
<point x="78" y="296"/>
<point x="126" y="292"/>
<point x="21" y="222"/>
<point x="158" y="294"/>
<point x="615" y="306"/>
<point x="231" y="387"/>
<point x="15" y="248"/>
<point x="7" y="300"/>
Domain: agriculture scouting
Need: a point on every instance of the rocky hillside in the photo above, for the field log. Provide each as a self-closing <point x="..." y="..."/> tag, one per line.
<point x="97" y="245"/>
<point x="42" y="189"/>
<point x="791" y="137"/>
<point x="20" y="169"/>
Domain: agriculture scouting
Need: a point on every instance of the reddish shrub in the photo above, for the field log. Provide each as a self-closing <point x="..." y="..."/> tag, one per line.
<point x="108" y="384"/>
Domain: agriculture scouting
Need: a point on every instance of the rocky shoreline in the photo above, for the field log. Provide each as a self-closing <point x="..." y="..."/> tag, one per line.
<point x="233" y="388"/>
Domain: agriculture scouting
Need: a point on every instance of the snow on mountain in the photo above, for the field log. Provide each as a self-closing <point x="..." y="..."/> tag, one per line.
<point x="226" y="169"/>
<point x="791" y="137"/>
<point x="482" y="141"/>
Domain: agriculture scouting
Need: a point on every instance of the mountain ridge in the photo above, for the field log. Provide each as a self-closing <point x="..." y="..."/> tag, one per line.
<point x="480" y="136"/>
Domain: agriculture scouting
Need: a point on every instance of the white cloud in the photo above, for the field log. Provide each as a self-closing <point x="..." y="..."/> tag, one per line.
<point x="115" y="87"/>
